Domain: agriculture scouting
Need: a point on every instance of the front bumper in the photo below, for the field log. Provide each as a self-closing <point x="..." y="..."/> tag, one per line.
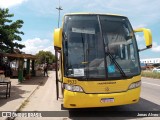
<point x="82" y="100"/>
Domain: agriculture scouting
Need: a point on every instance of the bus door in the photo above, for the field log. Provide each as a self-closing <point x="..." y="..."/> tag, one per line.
<point x="58" y="72"/>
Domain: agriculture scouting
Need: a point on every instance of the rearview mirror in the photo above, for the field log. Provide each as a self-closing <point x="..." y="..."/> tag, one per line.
<point x="147" y="37"/>
<point x="58" y="38"/>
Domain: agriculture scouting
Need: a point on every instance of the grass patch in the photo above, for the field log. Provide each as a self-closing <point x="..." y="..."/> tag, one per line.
<point x="150" y="74"/>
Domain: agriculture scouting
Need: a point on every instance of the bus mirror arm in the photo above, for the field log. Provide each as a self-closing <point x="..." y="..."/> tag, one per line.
<point x="139" y="50"/>
<point x="147" y="37"/>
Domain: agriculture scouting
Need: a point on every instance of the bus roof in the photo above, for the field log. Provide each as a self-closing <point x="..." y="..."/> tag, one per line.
<point x="94" y="14"/>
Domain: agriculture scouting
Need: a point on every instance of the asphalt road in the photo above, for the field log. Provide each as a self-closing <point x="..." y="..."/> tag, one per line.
<point x="44" y="99"/>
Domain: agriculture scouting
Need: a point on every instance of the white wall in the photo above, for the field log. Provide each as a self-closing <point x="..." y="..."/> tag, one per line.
<point x="151" y="60"/>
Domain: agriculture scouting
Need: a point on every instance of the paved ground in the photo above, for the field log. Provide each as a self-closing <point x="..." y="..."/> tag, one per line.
<point x="42" y="97"/>
<point x="20" y="93"/>
<point x="49" y="106"/>
<point x="44" y="101"/>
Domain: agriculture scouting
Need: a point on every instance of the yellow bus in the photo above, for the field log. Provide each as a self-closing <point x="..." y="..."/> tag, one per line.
<point x="98" y="60"/>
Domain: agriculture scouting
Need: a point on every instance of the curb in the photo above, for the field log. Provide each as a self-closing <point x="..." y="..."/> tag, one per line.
<point x="25" y="100"/>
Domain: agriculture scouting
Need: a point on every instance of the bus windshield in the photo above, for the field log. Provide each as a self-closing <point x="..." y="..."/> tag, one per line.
<point x="99" y="47"/>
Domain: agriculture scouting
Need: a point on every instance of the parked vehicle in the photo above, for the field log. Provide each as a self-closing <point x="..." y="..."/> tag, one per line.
<point x="156" y="69"/>
<point x="98" y="61"/>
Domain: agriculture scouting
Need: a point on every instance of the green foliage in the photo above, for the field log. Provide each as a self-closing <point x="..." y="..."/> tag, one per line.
<point x="150" y="74"/>
<point x="45" y="57"/>
<point x="9" y="32"/>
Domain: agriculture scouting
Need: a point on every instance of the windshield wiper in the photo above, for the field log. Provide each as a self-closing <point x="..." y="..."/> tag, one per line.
<point x="115" y="62"/>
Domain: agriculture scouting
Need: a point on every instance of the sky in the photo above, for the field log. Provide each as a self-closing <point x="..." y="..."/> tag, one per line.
<point x="41" y="18"/>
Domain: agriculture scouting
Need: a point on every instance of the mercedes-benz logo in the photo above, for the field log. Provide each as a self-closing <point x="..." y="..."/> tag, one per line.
<point x="107" y="89"/>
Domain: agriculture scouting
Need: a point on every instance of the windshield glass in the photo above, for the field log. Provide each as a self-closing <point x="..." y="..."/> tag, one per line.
<point x="89" y="42"/>
<point x="84" y="47"/>
<point x="120" y="47"/>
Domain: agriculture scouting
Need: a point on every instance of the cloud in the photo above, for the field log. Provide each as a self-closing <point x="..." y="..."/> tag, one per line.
<point x="44" y="7"/>
<point x="139" y="38"/>
<point x="10" y="3"/>
<point x="140" y="12"/>
<point x="141" y="44"/>
<point x="49" y="48"/>
<point x="155" y="47"/>
<point x="34" y="45"/>
<point x="139" y="26"/>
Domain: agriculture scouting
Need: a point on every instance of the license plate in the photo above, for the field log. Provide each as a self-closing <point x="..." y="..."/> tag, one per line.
<point x="107" y="100"/>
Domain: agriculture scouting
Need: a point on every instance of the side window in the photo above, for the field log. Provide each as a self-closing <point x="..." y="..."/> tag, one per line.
<point x="127" y="50"/>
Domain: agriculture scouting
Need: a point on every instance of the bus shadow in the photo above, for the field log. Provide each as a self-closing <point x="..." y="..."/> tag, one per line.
<point x="116" y="112"/>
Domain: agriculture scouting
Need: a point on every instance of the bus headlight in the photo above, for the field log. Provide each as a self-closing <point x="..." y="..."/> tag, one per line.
<point x="73" y="88"/>
<point x="134" y="85"/>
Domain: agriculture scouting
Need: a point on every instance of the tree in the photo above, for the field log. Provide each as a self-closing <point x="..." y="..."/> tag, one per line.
<point x="9" y="32"/>
<point x="45" y="57"/>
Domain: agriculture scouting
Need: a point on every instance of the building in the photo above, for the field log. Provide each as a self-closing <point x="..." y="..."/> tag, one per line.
<point x="150" y="60"/>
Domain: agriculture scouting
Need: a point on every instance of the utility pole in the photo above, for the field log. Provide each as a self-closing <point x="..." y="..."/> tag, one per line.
<point x="59" y="8"/>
